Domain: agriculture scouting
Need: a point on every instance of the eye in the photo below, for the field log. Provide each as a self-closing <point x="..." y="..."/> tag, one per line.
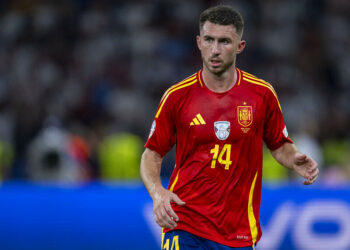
<point x="208" y="39"/>
<point x="225" y="41"/>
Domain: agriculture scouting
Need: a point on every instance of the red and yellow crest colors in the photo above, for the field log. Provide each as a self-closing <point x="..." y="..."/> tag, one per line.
<point x="245" y="115"/>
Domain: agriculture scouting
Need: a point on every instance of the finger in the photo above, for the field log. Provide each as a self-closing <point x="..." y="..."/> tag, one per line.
<point x="169" y="223"/>
<point x="158" y="216"/>
<point x="312" y="168"/>
<point x="314" y="176"/>
<point x="158" y="220"/>
<point x="309" y="174"/>
<point x="313" y="172"/>
<point x="299" y="159"/>
<point x="310" y="163"/>
<point x="314" y="179"/>
<point x="171" y="212"/>
<point x="311" y="180"/>
<point x="177" y="200"/>
<point x="166" y="220"/>
<point x="307" y="183"/>
<point x="162" y="223"/>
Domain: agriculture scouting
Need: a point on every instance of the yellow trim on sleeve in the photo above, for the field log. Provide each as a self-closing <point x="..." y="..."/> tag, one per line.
<point x="251" y="217"/>
<point x="266" y="86"/>
<point x="175" y="181"/>
<point x="257" y="79"/>
<point x="166" y="97"/>
<point x="178" y="84"/>
<point x="246" y="73"/>
<point x="251" y="77"/>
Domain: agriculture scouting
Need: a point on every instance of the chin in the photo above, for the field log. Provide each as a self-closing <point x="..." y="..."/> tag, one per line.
<point x="217" y="71"/>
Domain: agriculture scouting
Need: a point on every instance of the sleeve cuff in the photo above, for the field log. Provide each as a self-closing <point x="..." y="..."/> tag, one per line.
<point x="280" y="144"/>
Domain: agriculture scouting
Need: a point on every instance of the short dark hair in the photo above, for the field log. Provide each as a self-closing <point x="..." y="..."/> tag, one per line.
<point x="222" y="15"/>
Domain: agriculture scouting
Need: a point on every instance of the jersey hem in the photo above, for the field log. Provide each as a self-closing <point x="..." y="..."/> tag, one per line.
<point x="223" y="242"/>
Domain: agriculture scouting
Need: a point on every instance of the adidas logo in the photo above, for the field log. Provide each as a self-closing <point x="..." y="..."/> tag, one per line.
<point x="198" y="120"/>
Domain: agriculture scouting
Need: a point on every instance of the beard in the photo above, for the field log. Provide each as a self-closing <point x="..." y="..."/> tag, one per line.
<point x="218" y="71"/>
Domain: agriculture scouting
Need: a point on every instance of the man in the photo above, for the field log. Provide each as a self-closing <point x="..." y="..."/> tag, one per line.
<point x="218" y="118"/>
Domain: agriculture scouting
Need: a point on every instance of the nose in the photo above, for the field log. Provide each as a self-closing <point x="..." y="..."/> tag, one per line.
<point x="215" y="50"/>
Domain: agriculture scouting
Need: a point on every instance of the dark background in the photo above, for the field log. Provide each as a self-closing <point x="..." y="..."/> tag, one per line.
<point x="80" y="81"/>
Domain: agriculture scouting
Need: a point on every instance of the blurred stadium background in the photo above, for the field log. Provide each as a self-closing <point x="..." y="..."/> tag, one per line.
<point x="80" y="81"/>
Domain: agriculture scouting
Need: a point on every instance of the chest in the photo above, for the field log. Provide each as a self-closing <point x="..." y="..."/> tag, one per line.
<point x="207" y="118"/>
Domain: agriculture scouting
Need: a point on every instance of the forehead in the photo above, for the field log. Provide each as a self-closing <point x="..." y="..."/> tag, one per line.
<point x="217" y="30"/>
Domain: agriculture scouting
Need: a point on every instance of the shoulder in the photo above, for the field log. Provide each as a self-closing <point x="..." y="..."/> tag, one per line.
<point x="257" y="84"/>
<point x="178" y="90"/>
<point x="251" y="80"/>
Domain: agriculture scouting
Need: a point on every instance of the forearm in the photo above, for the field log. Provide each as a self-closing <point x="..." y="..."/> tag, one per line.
<point x="151" y="163"/>
<point x="285" y="154"/>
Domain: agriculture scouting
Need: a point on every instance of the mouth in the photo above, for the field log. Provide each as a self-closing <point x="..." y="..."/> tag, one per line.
<point x="215" y="62"/>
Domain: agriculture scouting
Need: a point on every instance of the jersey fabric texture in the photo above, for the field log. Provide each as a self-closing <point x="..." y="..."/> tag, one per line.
<point x="219" y="139"/>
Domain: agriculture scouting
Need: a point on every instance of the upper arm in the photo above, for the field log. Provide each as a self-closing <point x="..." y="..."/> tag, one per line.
<point x="150" y="155"/>
<point x="275" y="131"/>
<point x="162" y="136"/>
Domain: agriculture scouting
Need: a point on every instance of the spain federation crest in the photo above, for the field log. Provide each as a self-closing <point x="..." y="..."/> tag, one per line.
<point x="222" y="129"/>
<point x="245" y="115"/>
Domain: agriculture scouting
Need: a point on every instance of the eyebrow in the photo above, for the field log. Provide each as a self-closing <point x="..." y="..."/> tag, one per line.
<point x="225" y="39"/>
<point x="219" y="38"/>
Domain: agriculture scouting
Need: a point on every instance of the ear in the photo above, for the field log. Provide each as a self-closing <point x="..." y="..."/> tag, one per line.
<point x="198" y="38"/>
<point x="241" y="46"/>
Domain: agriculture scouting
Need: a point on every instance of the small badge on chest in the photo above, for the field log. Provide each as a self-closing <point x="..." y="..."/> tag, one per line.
<point x="222" y="129"/>
<point x="245" y="117"/>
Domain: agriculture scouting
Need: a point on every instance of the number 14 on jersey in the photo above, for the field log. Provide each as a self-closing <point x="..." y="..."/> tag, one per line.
<point x="226" y="150"/>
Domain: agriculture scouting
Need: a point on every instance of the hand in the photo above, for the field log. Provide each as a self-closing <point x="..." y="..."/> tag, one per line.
<point x="306" y="167"/>
<point x="163" y="212"/>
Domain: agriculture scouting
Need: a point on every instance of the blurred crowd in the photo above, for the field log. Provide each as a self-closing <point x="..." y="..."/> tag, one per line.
<point x="80" y="80"/>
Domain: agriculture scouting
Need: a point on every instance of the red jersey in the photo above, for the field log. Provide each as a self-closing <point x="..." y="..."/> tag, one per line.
<point x="219" y="139"/>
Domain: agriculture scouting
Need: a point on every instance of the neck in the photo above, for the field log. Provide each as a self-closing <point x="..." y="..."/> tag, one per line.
<point x="221" y="83"/>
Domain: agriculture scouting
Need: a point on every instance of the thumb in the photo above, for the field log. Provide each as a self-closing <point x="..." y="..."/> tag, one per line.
<point x="300" y="158"/>
<point x="177" y="200"/>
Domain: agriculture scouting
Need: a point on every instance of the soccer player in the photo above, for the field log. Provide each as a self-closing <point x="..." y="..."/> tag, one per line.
<point x="218" y="118"/>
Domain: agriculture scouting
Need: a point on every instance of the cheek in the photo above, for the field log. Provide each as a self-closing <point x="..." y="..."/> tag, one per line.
<point x="205" y="49"/>
<point x="230" y="51"/>
<point x="204" y="45"/>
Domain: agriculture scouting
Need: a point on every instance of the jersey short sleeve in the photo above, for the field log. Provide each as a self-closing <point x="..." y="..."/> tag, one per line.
<point x="275" y="131"/>
<point x="162" y="136"/>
